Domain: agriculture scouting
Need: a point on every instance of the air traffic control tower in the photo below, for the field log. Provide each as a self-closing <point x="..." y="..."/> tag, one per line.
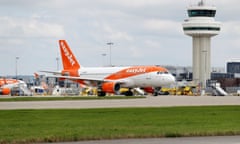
<point x="201" y="26"/>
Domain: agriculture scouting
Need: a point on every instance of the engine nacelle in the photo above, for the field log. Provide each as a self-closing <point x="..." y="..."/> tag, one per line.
<point x="5" y="91"/>
<point x="110" y="87"/>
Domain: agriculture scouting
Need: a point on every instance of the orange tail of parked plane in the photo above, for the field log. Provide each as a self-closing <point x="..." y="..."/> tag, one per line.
<point x="68" y="59"/>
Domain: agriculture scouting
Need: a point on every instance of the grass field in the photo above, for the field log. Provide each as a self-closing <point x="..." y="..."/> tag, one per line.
<point x="27" y="126"/>
<point x="52" y="98"/>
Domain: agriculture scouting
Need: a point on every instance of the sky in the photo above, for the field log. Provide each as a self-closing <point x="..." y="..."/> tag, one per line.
<point x="143" y="32"/>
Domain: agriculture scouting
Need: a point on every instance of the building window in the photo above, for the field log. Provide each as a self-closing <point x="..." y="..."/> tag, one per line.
<point x="201" y="13"/>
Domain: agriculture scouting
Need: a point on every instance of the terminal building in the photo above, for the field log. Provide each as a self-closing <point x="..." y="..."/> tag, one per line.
<point x="233" y="66"/>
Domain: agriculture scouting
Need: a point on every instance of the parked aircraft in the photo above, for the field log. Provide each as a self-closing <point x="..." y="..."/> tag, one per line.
<point x="7" y="84"/>
<point x="111" y="79"/>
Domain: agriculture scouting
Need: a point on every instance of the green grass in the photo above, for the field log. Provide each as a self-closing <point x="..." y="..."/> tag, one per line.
<point x="53" y="98"/>
<point x="27" y="126"/>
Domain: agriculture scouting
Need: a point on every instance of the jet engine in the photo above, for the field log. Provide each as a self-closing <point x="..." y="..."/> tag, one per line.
<point x="5" y="91"/>
<point x="110" y="87"/>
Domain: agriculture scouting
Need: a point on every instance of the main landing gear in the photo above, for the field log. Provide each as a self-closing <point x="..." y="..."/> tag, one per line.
<point x="156" y="91"/>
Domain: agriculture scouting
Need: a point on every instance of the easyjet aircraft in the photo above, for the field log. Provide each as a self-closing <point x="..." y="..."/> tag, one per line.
<point x="111" y="79"/>
<point x="7" y="84"/>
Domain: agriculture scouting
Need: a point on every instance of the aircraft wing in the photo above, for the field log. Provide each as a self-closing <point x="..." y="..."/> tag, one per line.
<point x="87" y="79"/>
<point x="74" y="78"/>
<point x="58" y="74"/>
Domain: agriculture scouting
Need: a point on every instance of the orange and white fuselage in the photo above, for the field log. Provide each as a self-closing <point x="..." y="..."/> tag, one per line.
<point x="111" y="79"/>
<point x="130" y="77"/>
<point x="7" y="84"/>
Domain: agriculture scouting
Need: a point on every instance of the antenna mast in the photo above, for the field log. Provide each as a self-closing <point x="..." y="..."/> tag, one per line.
<point x="202" y="3"/>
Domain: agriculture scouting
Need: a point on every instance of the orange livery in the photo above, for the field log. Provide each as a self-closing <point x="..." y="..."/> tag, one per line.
<point x="111" y="79"/>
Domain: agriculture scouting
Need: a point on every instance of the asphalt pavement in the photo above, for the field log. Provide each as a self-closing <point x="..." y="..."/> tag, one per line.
<point x="184" y="140"/>
<point x="149" y="101"/>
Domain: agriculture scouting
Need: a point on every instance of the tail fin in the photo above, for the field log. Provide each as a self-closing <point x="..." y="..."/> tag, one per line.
<point x="68" y="59"/>
<point x="36" y="75"/>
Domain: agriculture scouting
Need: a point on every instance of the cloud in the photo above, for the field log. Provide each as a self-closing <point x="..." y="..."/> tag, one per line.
<point x="151" y="43"/>
<point x="32" y="27"/>
<point x="106" y="30"/>
<point x="139" y="3"/>
<point x="163" y="26"/>
<point x="231" y="28"/>
<point x="115" y="34"/>
<point x="143" y="31"/>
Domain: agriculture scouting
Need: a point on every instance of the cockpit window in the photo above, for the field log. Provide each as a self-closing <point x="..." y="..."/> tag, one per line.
<point x="160" y="72"/>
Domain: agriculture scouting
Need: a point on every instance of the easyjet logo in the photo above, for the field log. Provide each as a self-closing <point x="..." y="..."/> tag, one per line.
<point x="67" y="54"/>
<point x="136" y="70"/>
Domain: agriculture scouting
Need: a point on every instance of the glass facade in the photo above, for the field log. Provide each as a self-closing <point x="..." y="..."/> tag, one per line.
<point x="233" y="67"/>
<point x="215" y="76"/>
<point x="201" y="13"/>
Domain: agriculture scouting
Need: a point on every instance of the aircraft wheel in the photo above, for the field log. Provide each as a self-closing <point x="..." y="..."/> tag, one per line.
<point x="155" y="94"/>
<point x="101" y="94"/>
<point x="129" y="93"/>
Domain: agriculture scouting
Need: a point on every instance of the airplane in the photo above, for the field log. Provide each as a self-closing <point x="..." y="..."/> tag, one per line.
<point x="111" y="79"/>
<point x="7" y="84"/>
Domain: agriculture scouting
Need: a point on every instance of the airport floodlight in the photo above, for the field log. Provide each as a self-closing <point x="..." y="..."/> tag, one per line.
<point x="57" y="60"/>
<point x="16" y="64"/>
<point x="110" y="52"/>
<point x="103" y="58"/>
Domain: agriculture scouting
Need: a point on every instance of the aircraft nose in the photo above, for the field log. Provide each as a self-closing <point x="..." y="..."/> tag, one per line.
<point x="172" y="79"/>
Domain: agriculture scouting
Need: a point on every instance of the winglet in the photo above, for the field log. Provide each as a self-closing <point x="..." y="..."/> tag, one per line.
<point x="68" y="59"/>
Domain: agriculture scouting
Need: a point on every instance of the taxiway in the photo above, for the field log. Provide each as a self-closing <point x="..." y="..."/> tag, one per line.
<point x="149" y="101"/>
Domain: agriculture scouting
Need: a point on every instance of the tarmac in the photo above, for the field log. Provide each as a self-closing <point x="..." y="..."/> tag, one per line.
<point x="149" y="101"/>
<point x="183" y="140"/>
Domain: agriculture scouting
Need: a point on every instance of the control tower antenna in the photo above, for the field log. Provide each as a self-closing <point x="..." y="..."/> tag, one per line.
<point x="202" y="3"/>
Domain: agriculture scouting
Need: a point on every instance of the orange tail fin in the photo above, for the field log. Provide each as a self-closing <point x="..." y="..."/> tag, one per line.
<point x="68" y="59"/>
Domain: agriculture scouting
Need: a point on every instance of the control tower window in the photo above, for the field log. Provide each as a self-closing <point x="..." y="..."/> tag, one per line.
<point x="202" y="28"/>
<point x="203" y="13"/>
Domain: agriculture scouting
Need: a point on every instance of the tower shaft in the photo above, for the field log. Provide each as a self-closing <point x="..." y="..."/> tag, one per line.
<point x="201" y="61"/>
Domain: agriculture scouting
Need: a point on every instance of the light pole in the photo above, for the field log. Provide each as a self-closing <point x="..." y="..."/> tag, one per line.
<point x="103" y="55"/>
<point x="57" y="59"/>
<point x="17" y="58"/>
<point x="110" y="52"/>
